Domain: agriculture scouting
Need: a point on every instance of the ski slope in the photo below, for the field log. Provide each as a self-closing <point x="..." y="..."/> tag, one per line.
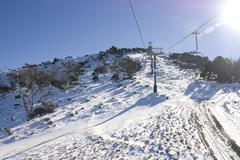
<point x="124" y="120"/>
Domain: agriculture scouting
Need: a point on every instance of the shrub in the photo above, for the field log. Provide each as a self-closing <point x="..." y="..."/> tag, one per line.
<point x="4" y="89"/>
<point x="61" y="84"/>
<point x="191" y="61"/>
<point x="9" y="131"/>
<point x="46" y="63"/>
<point x="17" y="96"/>
<point x="222" y="70"/>
<point x="101" y="55"/>
<point x="47" y="107"/>
<point x="38" y="112"/>
<point x="115" y="77"/>
<point x="113" y="50"/>
<point x="130" y="67"/>
<point x="49" y="121"/>
<point x="69" y="57"/>
<point x="95" y="77"/>
<point x="55" y="60"/>
<point x="81" y="64"/>
<point x="100" y="70"/>
<point x="73" y="70"/>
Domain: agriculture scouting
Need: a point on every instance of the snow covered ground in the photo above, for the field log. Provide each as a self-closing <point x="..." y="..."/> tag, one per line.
<point x="124" y="120"/>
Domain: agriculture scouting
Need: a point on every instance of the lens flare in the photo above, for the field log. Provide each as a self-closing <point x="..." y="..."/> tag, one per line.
<point x="231" y="14"/>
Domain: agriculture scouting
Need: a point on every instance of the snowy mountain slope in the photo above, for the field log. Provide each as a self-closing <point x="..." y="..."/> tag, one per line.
<point x="114" y="120"/>
<point x="14" y="113"/>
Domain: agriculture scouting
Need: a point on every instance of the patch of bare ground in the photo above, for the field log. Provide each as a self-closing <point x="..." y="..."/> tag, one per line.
<point x="230" y="141"/>
<point x="202" y="136"/>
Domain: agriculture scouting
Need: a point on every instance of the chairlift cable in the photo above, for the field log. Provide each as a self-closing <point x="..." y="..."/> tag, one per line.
<point x="196" y="30"/>
<point x="136" y="21"/>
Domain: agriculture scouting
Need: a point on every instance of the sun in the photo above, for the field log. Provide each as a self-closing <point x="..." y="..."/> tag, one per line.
<point x="231" y="14"/>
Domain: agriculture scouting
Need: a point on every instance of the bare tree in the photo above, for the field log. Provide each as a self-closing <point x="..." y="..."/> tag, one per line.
<point x="27" y="85"/>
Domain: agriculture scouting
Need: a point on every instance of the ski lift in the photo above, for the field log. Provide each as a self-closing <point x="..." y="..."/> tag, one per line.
<point x="196" y="52"/>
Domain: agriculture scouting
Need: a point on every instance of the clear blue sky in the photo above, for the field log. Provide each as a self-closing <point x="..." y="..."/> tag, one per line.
<point x="32" y="31"/>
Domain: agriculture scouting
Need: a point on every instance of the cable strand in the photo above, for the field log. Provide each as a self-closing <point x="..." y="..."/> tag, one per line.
<point x="196" y="30"/>
<point x="136" y="21"/>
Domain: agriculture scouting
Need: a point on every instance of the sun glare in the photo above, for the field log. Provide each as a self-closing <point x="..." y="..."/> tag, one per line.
<point x="231" y="14"/>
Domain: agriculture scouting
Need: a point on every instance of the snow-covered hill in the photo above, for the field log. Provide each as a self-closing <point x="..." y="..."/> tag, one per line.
<point x="188" y="119"/>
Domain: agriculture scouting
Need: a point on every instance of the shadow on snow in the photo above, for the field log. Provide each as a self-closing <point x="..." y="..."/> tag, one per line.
<point x="148" y="101"/>
<point x="200" y="90"/>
